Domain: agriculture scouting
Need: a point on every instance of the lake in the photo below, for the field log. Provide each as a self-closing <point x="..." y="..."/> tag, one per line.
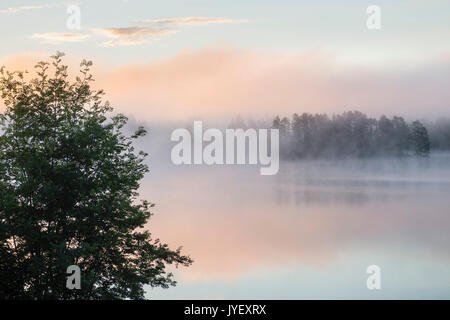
<point x="309" y="232"/>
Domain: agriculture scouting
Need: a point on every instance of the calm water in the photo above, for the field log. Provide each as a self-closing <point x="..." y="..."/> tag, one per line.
<point x="309" y="232"/>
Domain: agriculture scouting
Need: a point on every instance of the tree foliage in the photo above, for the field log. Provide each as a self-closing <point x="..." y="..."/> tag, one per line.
<point x="439" y="132"/>
<point x="68" y="193"/>
<point x="351" y="134"/>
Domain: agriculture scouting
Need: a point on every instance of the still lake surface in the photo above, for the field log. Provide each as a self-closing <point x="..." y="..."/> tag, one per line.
<point x="309" y="232"/>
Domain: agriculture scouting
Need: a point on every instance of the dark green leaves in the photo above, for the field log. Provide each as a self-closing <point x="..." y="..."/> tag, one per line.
<point x="68" y="193"/>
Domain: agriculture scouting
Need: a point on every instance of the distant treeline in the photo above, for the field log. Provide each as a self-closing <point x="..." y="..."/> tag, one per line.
<point x="353" y="134"/>
<point x="439" y="132"/>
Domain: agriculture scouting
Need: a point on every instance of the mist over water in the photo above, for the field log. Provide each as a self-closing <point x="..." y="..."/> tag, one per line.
<point x="308" y="232"/>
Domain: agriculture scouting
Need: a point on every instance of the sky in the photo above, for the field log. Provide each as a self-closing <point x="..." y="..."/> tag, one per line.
<point x="166" y="60"/>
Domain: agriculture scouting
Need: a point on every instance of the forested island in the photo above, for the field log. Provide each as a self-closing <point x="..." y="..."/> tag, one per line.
<point x="354" y="134"/>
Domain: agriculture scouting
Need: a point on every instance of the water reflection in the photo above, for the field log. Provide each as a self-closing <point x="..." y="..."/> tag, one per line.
<point x="236" y="223"/>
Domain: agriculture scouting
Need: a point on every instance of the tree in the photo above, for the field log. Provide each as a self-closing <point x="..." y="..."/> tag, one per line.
<point x="285" y="126"/>
<point x="420" y="139"/>
<point x="276" y="123"/>
<point x="439" y="132"/>
<point x="353" y="134"/>
<point x="401" y="137"/>
<point x="385" y="141"/>
<point x="68" y="193"/>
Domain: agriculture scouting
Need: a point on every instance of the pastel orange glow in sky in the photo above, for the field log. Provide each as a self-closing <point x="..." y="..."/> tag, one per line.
<point x="221" y="83"/>
<point x="225" y="82"/>
<point x="180" y="60"/>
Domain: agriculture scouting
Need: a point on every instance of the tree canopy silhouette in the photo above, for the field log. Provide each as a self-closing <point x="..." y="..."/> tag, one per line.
<point x="351" y="134"/>
<point x="68" y="193"/>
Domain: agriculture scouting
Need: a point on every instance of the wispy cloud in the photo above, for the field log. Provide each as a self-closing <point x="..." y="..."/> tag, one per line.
<point x="54" y="37"/>
<point x="136" y="35"/>
<point x="12" y="10"/>
<point x="192" y="21"/>
<point x="128" y="36"/>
